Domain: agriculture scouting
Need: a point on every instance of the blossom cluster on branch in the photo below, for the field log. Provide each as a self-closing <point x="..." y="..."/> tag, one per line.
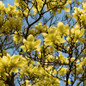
<point x="46" y="54"/>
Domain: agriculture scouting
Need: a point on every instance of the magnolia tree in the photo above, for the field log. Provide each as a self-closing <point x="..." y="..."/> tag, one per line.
<point x="43" y="43"/>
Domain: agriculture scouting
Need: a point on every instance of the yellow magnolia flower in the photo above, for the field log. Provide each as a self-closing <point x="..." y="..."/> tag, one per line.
<point x="31" y="43"/>
<point x="62" y="71"/>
